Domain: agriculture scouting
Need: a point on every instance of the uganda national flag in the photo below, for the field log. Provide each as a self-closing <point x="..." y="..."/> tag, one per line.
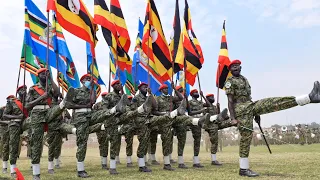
<point x="223" y="61"/>
<point x="74" y="17"/>
<point x="120" y="24"/>
<point x="194" y="59"/>
<point x="102" y="16"/>
<point x="154" y="43"/>
<point x="176" y="44"/>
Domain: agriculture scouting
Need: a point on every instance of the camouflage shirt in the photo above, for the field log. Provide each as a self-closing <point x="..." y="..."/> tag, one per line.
<point x="12" y="109"/>
<point x="81" y="97"/>
<point x="111" y="100"/>
<point x="163" y="103"/>
<point x="2" y="109"/>
<point x="176" y="104"/>
<point x="195" y="105"/>
<point x="212" y="110"/>
<point x="33" y="94"/>
<point x="239" y="87"/>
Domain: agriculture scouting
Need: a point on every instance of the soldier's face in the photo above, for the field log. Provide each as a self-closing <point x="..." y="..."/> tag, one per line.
<point x="117" y="87"/>
<point x="235" y="69"/>
<point x="195" y="95"/>
<point x="143" y="89"/>
<point x="22" y="92"/>
<point x="211" y="99"/>
<point x="42" y="76"/>
<point x="180" y="90"/>
<point x="165" y="91"/>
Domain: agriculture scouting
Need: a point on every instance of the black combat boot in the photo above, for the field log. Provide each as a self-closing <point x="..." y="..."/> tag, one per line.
<point x="216" y="163"/>
<point x="121" y="106"/>
<point x="4" y="170"/>
<point x="147" y="105"/>
<point x="14" y="175"/>
<point x="223" y="115"/>
<point x="315" y="93"/>
<point x="182" y="166"/>
<point x="83" y="174"/>
<point x="248" y="173"/>
<point x="104" y="166"/>
<point x="168" y="167"/>
<point x="198" y="165"/>
<point x="113" y="171"/>
<point x="36" y="177"/>
<point x="57" y="166"/>
<point x="182" y="108"/>
<point x="144" y="169"/>
<point x="155" y="162"/>
<point x="204" y="120"/>
<point x="129" y="165"/>
<point x="50" y="171"/>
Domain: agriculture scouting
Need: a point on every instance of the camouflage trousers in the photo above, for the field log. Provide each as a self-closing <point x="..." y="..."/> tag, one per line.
<point x="37" y="123"/>
<point x="213" y="135"/>
<point x="181" y="133"/>
<point x="196" y="134"/>
<point x="14" y="143"/>
<point x="245" y="113"/>
<point x="153" y="139"/>
<point x="5" y="142"/>
<point x="103" y="140"/>
<point x="54" y="139"/>
<point x="129" y="140"/>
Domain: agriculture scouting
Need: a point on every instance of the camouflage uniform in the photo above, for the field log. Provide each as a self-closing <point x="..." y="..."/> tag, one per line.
<point x="246" y="109"/>
<point x="14" y="132"/>
<point x="212" y="130"/>
<point x="4" y="129"/>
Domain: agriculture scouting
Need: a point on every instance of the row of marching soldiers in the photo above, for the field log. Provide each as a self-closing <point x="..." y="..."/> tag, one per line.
<point x="42" y="108"/>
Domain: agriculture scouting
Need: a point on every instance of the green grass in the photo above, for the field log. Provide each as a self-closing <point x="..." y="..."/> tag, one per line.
<point x="286" y="162"/>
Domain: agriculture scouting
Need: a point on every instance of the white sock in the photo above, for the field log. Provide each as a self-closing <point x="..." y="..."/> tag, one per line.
<point x="153" y="157"/>
<point x="244" y="163"/>
<point x="141" y="162"/>
<point x="5" y="164"/>
<point x="213" y="118"/>
<point x="213" y="157"/>
<point x="62" y="104"/>
<point x="140" y="109"/>
<point x="74" y="131"/>
<point x="117" y="159"/>
<point x="170" y="156"/>
<point x="50" y="165"/>
<point x="196" y="160"/>
<point x="104" y="160"/>
<point x="80" y="166"/>
<point x="113" y="110"/>
<point x="112" y="164"/>
<point x="166" y="159"/>
<point x="57" y="161"/>
<point x="102" y="127"/>
<point x="35" y="169"/>
<point x="129" y="160"/>
<point x="195" y="121"/>
<point x="12" y="166"/>
<point x="180" y="160"/>
<point x="303" y="100"/>
<point x="173" y="114"/>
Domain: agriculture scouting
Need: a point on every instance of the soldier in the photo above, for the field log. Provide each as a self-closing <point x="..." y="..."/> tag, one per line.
<point x="4" y="129"/>
<point x="15" y="113"/>
<point x="129" y="134"/>
<point x="124" y="117"/>
<point x="102" y="136"/>
<point x="244" y="110"/>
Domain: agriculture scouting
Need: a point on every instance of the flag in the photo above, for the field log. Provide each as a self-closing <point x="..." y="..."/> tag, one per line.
<point x="102" y="16"/>
<point x="35" y="36"/>
<point x="19" y="174"/>
<point x="75" y="18"/>
<point x="192" y="49"/>
<point x="120" y="24"/>
<point x="140" y="67"/>
<point x="176" y="46"/>
<point x="154" y="43"/>
<point x="180" y="77"/>
<point x="93" y="66"/>
<point x="61" y="48"/>
<point x="223" y="61"/>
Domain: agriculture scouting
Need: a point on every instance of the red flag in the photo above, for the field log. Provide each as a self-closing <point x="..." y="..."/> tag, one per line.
<point x="19" y="174"/>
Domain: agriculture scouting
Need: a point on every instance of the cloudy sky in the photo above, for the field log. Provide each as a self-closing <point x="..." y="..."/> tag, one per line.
<point x="277" y="41"/>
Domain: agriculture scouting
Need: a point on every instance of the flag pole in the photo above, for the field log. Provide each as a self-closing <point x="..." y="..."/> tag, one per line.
<point x="109" y="83"/>
<point x="57" y="56"/>
<point x="18" y="78"/>
<point x="135" y="76"/>
<point x="199" y="83"/>
<point x="48" y="46"/>
<point x="91" y="68"/>
<point x="118" y="71"/>
<point x="218" y="84"/>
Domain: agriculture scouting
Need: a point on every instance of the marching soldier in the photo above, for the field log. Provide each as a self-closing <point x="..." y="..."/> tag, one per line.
<point x="4" y="129"/>
<point x="244" y="110"/>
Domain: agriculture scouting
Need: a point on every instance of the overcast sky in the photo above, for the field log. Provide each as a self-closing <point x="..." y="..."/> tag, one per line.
<point x="277" y="41"/>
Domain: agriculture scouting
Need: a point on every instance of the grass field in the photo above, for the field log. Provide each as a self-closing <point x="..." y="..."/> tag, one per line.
<point x="286" y="162"/>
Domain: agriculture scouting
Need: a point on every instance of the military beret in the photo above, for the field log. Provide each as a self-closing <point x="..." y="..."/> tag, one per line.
<point x="10" y="97"/>
<point x="115" y="82"/>
<point x="193" y="91"/>
<point x="20" y="87"/>
<point x="163" y="86"/>
<point x="41" y="70"/>
<point x="85" y="76"/>
<point x="209" y="95"/>
<point x="130" y="97"/>
<point x="104" y="93"/>
<point x="236" y="61"/>
<point x="178" y="87"/>
<point x="141" y="84"/>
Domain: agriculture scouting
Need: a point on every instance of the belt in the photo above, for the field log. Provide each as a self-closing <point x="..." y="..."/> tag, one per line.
<point x="16" y="120"/>
<point x="198" y="115"/>
<point x="82" y="110"/>
<point x="41" y="107"/>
